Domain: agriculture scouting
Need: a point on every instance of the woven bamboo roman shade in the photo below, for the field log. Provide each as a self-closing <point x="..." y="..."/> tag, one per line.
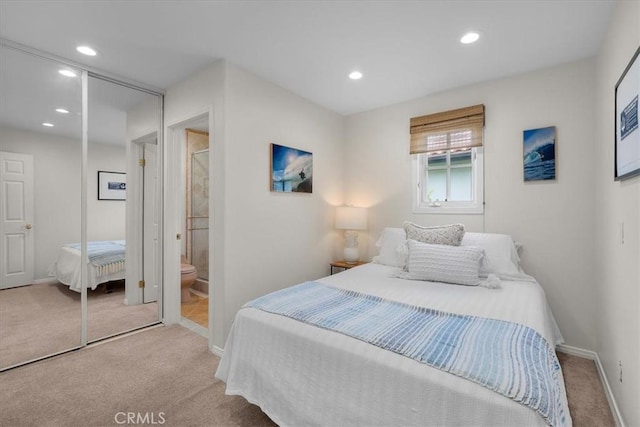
<point x="450" y="130"/>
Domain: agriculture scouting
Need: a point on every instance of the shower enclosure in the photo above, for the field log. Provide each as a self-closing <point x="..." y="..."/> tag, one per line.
<point x="199" y="219"/>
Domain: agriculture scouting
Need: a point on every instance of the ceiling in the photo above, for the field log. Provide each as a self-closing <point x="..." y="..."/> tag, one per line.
<point x="405" y="49"/>
<point x="31" y="89"/>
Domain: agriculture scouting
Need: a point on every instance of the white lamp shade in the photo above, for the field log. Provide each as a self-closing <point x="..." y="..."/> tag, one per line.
<point x="351" y="218"/>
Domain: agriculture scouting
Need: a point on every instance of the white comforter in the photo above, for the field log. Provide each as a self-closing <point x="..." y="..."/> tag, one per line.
<point x="67" y="268"/>
<point x="302" y="375"/>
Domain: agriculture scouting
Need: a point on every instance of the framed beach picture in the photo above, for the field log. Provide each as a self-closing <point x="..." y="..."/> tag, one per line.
<point x="627" y="138"/>
<point x="112" y="185"/>
<point x="291" y="170"/>
<point x="539" y="147"/>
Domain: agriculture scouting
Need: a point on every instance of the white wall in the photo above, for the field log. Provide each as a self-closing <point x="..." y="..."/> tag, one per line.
<point x="553" y="220"/>
<point x="57" y="164"/>
<point x="105" y="218"/>
<point x="617" y="272"/>
<point x="275" y="240"/>
<point x="202" y="93"/>
<point x="262" y="241"/>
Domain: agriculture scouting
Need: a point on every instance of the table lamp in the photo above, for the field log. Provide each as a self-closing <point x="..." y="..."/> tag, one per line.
<point x="350" y="219"/>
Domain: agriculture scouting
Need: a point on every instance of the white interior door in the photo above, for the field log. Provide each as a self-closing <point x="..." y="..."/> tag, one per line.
<point x="16" y="220"/>
<point x="151" y="247"/>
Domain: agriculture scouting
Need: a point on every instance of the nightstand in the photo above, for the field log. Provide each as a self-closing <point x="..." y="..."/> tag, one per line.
<point x="344" y="265"/>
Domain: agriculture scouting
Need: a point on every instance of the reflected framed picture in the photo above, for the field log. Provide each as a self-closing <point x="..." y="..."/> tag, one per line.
<point x="112" y="185"/>
<point x="291" y="170"/>
<point x="539" y="154"/>
<point x="627" y="137"/>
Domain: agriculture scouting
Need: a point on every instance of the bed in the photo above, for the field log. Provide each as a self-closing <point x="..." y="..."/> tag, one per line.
<point x="105" y="260"/>
<point x="303" y="374"/>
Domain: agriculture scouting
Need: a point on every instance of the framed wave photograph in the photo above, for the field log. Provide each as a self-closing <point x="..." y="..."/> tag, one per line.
<point x="291" y="170"/>
<point x="539" y="154"/>
<point x="627" y="137"/>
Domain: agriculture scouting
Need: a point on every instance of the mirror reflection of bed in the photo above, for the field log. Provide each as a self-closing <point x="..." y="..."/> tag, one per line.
<point x="108" y="311"/>
<point x="111" y="108"/>
<point x="42" y="315"/>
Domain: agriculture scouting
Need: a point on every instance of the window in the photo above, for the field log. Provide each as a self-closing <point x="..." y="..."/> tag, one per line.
<point x="448" y="161"/>
<point x="449" y="182"/>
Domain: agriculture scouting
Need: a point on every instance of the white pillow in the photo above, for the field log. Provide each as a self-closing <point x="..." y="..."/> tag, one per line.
<point x="391" y="244"/>
<point x="443" y="263"/>
<point x="440" y="235"/>
<point x="501" y="255"/>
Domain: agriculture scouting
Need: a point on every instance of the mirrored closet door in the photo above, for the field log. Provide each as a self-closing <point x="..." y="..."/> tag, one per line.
<point x="41" y="153"/>
<point x="80" y="214"/>
<point x="123" y="122"/>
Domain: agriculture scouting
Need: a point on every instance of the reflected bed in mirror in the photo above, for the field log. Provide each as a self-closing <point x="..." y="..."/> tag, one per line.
<point x="105" y="263"/>
<point x="41" y="316"/>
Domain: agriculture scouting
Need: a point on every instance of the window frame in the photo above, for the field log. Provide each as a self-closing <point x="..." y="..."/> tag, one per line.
<point x="421" y="204"/>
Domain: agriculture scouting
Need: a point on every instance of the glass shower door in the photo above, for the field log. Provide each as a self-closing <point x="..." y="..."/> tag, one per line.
<point x="199" y="220"/>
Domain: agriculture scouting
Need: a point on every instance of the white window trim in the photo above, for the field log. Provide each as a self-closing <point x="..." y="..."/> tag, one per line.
<point x="422" y="206"/>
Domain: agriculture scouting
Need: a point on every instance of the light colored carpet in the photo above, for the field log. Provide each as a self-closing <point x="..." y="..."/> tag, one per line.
<point x="587" y="402"/>
<point x="166" y="370"/>
<point x="39" y="320"/>
<point x="169" y="370"/>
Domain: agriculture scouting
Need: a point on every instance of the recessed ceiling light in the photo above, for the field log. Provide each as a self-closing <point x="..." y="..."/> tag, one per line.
<point x="355" y="75"/>
<point x="47" y="124"/>
<point x="62" y="111"/>
<point x="66" y="72"/>
<point x="470" y="38"/>
<point x="86" y="50"/>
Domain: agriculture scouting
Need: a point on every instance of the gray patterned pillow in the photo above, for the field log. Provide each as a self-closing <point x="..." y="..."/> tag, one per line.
<point x="439" y="235"/>
<point x="443" y="263"/>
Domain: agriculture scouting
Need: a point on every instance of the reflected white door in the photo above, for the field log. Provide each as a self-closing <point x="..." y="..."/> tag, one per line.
<point x="151" y="248"/>
<point x="16" y="220"/>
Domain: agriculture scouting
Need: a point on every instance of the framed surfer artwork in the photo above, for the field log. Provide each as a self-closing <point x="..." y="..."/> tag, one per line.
<point x="291" y="170"/>
<point x="539" y="158"/>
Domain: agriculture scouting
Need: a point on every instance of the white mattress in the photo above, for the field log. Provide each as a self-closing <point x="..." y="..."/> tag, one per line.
<point x="67" y="270"/>
<point x="302" y="375"/>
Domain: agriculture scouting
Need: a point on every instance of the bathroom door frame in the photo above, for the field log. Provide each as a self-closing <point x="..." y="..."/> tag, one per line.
<point x="173" y="226"/>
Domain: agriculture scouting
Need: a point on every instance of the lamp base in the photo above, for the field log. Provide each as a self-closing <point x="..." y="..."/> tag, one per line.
<point x="351" y="255"/>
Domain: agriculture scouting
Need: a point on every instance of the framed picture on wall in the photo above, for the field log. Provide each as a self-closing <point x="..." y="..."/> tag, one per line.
<point x="539" y="154"/>
<point x="291" y="170"/>
<point x="627" y="138"/>
<point x="112" y="185"/>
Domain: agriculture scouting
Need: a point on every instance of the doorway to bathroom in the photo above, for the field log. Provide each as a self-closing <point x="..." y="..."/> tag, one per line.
<point x="188" y="203"/>
<point x="195" y="294"/>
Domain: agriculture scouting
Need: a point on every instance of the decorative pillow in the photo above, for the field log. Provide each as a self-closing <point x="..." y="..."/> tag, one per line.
<point x="391" y="244"/>
<point x="501" y="255"/>
<point x="443" y="263"/>
<point x="439" y="235"/>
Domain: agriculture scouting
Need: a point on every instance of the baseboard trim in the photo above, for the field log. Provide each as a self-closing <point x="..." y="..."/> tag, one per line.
<point x="592" y="355"/>
<point x="575" y="351"/>
<point x="217" y="350"/>
<point x="46" y="281"/>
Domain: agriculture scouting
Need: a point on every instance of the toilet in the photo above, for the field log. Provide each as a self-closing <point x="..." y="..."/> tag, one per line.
<point x="188" y="275"/>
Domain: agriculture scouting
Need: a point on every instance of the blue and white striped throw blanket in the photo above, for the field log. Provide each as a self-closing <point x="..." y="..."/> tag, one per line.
<point x="107" y="255"/>
<point x="508" y="358"/>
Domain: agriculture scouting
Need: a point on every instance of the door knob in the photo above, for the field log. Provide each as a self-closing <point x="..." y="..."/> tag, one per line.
<point x="28" y="226"/>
